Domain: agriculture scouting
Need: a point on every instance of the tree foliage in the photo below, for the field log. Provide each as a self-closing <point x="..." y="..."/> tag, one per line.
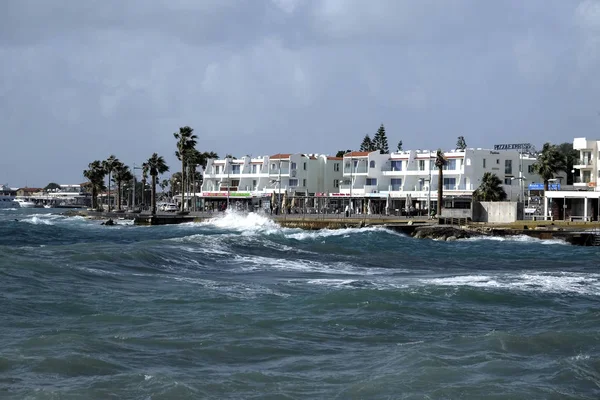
<point x="95" y="175"/>
<point x="550" y="161"/>
<point x="399" y="147"/>
<point x="122" y="174"/>
<point x="156" y="165"/>
<point x="52" y="186"/>
<point x="490" y="189"/>
<point x="380" y="141"/>
<point x="341" y="153"/>
<point x="186" y="140"/>
<point x="571" y="158"/>
<point x="367" y="144"/>
<point x="461" y="144"/>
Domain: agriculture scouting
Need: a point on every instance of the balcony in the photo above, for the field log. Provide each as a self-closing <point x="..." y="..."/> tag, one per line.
<point x="585" y="162"/>
<point x="357" y="170"/>
<point x="584" y="180"/>
<point x="282" y="171"/>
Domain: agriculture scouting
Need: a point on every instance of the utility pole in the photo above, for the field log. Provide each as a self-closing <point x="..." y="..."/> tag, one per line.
<point x="279" y="194"/>
<point x="228" y="180"/>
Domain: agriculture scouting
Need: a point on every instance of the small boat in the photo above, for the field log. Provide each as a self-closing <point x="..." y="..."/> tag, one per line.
<point x="47" y="205"/>
<point x="23" y="203"/>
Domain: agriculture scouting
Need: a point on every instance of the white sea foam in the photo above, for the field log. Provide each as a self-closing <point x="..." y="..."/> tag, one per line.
<point x="546" y="282"/>
<point x="244" y="222"/>
<point x="518" y="239"/>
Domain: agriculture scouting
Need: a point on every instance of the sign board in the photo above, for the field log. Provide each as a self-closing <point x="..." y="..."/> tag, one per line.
<point x="224" y="194"/>
<point x="540" y="186"/>
<point x="513" y="146"/>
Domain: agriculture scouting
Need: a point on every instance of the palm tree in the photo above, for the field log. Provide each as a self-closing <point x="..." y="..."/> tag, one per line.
<point x="156" y="165"/>
<point x="440" y="162"/>
<point x="175" y="183"/>
<point x="95" y="174"/>
<point x="122" y="174"/>
<point x="186" y="140"/>
<point x="550" y="161"/>
<point x="490" y="189"/>
<point x="109" y="165"/>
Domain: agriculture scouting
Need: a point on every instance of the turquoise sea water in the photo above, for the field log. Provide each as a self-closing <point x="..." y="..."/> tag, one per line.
<point x="240" y="308"/>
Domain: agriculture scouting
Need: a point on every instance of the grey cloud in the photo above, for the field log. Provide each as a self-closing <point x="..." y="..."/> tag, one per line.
<point x="84" y="79"/>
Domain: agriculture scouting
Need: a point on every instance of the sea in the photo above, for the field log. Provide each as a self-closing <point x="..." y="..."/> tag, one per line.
<point x="241" y="308"/>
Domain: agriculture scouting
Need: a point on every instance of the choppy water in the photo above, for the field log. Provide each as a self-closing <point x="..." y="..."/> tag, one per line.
<point x="241" y="308"/>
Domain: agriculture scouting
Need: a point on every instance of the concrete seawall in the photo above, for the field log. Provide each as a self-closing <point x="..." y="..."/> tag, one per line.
<point x="584" y="234"/>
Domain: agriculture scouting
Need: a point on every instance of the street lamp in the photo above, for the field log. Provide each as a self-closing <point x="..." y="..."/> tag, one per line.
<point x="428" y="180"/>
<point x="133" y="200"/>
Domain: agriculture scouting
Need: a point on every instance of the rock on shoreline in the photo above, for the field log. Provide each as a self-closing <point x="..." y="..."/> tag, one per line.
<point x="442" y="232"/>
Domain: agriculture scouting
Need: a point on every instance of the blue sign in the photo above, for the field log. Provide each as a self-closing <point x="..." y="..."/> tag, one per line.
<point x="540" y="186"/>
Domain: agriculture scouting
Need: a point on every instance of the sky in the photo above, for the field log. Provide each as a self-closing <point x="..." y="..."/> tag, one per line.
<point x="81" y="80"/>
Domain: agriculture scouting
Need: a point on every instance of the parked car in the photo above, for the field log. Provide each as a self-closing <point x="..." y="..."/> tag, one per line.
<point x="171" y="207"/>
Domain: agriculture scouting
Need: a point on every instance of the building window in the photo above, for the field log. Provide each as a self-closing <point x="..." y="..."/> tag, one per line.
<point x="450" y="165"/>
<point x="396" y="184"/>
<point x="254" y="184"/>
<point x="508" y="167"/>
<point x="449" y="183"/>
<point x="305" y="166"/>
<point x="336" y="183"/>
<point x="293" y="182"/>
<point x="530" y="169"/>
<point x="484" y="163"/>
<point x="254" y="168"/>
<point x="497" y="161"/>
<point x="371" y="181"/>
<point x="336" y="167"/>
<point x="507" y="181"/>
<point x="372" y="164"/>
<point x="293" y="165"/>
<point x="421" y="165"/>
<point x="396" y="165"/>
<point x="273" y="167"/>
<point x="235" y="169"/>
<point x="304" y="182"/>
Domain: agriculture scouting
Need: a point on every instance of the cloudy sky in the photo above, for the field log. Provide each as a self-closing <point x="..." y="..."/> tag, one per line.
<point x="83" y="79"/>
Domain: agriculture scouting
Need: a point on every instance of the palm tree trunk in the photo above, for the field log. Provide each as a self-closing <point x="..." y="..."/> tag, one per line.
<point x="182" y="182"/>
<point x="153" y="200"/>
<point x="94" y="197"/>
<point x="440" y="194"/>
<point x="119" y="196"/>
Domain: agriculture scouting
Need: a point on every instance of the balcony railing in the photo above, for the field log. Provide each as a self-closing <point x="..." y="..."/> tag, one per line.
<point x="584" y="161"/>
<point x="584" y="179"/>
<point x="356" y="170"/>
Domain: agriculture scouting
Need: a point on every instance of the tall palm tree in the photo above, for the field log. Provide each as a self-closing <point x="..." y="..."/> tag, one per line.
<point x="109" y="165"/>
<point x="549" y="162"/>
<point x="122" y="173"/>
<point x="440" y="161"/>
<point x="95" y="174"/>
<point x="186" y="140"/>
<point x="156" y="166"/>
<point x="490" y="189"/>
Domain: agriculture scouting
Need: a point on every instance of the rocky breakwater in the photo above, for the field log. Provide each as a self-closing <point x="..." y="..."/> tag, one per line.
<point x="443" y="232"/>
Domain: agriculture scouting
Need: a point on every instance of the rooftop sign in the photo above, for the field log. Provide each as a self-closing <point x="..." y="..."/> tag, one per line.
<point x="513" y="146"/>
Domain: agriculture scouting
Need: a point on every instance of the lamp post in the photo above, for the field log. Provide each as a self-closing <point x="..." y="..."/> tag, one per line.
<point x="228" y="181"/>
<point x="133" y="200"/>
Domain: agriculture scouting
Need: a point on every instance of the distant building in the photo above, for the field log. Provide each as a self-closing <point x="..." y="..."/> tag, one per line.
<point x="27" y="192"/>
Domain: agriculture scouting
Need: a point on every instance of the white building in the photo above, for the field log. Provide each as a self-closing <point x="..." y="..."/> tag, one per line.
<point x="410" y="178"/>
<point x="259" y="177"/>
<point x="583" y="202"/>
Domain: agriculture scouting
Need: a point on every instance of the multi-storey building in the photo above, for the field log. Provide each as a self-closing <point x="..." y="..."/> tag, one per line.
<point x="587" y="164"/>
<point x="410" y="178"/>
<point x="583" y="202"/>
<point x="257" y="178"/>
